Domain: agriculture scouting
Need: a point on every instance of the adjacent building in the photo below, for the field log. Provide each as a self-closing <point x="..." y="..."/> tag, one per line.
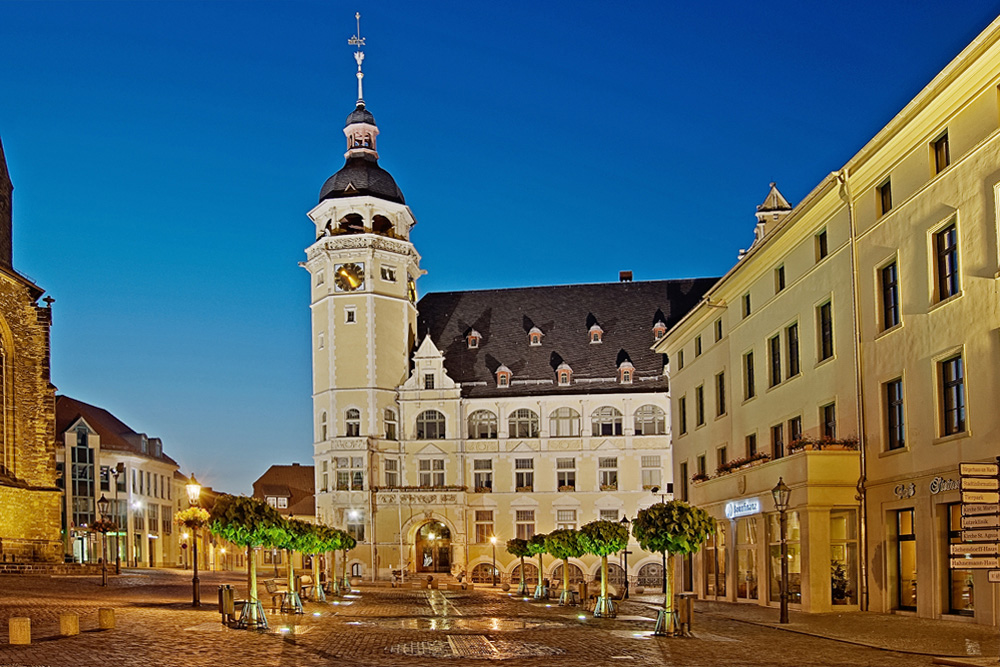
<point x="852" y="352"/>
<point x="290" y="489"/>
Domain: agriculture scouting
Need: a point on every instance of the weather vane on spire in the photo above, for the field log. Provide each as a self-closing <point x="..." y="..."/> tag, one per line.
<point x="359" y="55"/>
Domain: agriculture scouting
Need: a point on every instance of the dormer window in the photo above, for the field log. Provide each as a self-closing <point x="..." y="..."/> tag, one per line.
<point x="626" y="371"/>
<point x="564" y="374"/>
<point x="473" y="338"/>
<point x="503" y="376"/>
<point x="596" y="334"/>
<point x="535" y="336"/>
<point x="659" y="330"/>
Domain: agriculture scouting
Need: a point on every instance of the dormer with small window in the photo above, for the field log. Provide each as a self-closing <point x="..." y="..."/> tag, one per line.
<point x="564" y="374"/>
<point x="473" y="338"/>
<point x="626" y="372"/>
<point x="535" y="336"/>
<point x="659" y="329"/>
<point x="503" y="376"/>
<point x="596" y="334"/>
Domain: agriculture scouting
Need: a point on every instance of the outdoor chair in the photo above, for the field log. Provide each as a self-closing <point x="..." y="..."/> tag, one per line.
<point x="277" y="593"/>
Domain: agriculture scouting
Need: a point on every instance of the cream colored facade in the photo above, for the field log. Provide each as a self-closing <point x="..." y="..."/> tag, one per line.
<point x="911" y="274"/>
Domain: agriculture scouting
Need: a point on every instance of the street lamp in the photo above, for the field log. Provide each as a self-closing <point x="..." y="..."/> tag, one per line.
<point x="194" y="495"/>
<point x="493" y="541"/>
<point x="102" y="508"/>
<point x="116" y="471"/>
<point x="781" y="493"/>
<point x="625" y="521"/>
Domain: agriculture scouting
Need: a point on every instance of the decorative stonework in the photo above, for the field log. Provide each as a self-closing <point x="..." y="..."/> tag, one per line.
<point x="360" y="242"/>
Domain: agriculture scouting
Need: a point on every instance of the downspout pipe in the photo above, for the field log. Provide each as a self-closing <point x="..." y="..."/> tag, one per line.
<point x="843" y="178"/>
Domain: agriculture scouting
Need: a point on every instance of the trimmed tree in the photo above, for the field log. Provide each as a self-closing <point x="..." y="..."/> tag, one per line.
<point x="564" y="544"/>
<point x="250" y="523"/>
<point x="346" y="542"/>
<point x="602" y="538"/>
<point x="297" y="536"/>
<point x="536" y="547"/>
<point x="519" y="548"/>
<point x="672" y="528"/>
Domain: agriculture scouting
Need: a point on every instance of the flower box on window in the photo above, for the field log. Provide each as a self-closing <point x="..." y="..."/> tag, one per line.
<point x="699" y="477"/>
<point x="567" y="488"/>
<point x="484" y="489"/>
<point x="609" y="487"/>
<point x="525" y="489"/>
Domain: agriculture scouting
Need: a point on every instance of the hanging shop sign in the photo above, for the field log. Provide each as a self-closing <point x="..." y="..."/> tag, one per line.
<point x="745" y="507"/>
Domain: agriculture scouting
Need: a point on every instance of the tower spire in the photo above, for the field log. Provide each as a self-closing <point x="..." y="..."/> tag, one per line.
<point x="359" y="55"/>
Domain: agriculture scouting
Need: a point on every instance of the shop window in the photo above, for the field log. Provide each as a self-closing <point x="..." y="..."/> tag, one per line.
<point x="843" y="557"/>
<point x="715" y="563"/>
<point x="961" y="600"/>
<point x="747" y="540"/>
<point x="906" y="561"/>
<point x="794" y="557"/>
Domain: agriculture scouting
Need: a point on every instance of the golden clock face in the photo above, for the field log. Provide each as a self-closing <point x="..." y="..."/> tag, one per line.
<point x="411" y="290"/>
<point x="349" y="277"/>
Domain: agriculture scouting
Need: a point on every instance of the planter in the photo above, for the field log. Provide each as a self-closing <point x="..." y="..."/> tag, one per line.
<point x="525" y="489"/>
<point x="564" y="489"/>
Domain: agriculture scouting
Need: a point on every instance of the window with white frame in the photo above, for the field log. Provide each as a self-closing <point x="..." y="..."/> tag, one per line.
<point x="566" y="474"/>
<point x="484" y="526"/>
<point x="650" y="420"/>
<point x="321" y="340"/>
<point x="483" y="474"/>
<point x="322" y="427"/>
<point x="391" y="473"/>
<point x="652" y="471"/>
<point x="350" y="314"/>
<point x="282" y="503"/>
<point x="352" y="423"/>
<point x="320" y="278"/>
<point x="524" y="524"/>
<point x="350" y="473"/>
<point x="524" y="475"/>
<point x="325" y="479"/>
<point x="430" y="425"/>
<point x="482" y="425"/>
<point x="564" y="423"/>
<point x="606" y="421"/>
<point x="522" y="423"/>
<point x="608" y="472"/>
<point x="431" y="472"/>
<point x="388" y="273"/>
<point x="356" y="524"/>
<point x="566" y="519"/>
<point x="609" y="515"/>
<point x="391" y="424"/>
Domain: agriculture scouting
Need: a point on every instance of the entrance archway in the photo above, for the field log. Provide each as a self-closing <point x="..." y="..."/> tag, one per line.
<point x="433" y="547"/>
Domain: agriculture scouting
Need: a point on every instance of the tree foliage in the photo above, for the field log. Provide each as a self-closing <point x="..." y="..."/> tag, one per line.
<point x="674" y="527"/>
<point x="300" y="536"/>
<point x="518" y="547"/>
<point x="603" y="538"/>
<point x="564" y="544"/>
<point x="248" y="522"/>
<point x="536" y="545"/>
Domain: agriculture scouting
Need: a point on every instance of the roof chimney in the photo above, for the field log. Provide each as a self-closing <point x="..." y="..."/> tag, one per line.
<point x="294" y="464"/>
<point x="624" y="276"/>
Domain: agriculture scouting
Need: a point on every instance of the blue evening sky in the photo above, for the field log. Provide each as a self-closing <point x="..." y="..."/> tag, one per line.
<point x="164" y="156"/>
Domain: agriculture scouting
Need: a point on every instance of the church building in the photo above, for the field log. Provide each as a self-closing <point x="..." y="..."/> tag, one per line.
<point x="29" y="498"/>
<point x="447" y="425"/>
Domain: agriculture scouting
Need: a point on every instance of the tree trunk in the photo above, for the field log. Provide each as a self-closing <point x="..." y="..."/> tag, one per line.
<point x="604" y="576"/>
<point x="522" y="590"/>
<point x="252" y="583"/>
<point x="668" y="599"/>
<point x="317" y="585"/>
<point x="565" y="575"/>
<point x="291" y="575"/>
<point x="347" y="582"/>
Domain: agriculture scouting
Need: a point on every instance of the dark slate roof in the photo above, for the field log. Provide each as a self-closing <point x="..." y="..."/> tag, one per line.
<point x="4" y="174"/>
<point x="360" y="115"/>
<point x="362" y="176"/>
<point x="625" y="311"/>
<point x="115" y="434"/>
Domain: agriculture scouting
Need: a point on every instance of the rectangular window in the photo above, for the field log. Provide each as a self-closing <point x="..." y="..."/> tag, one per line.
<point x="683" y="481"/>
<point x="608" y="515"/>
<point x="566" y="474"/>
<point x="524" y="475"/>
<point x="890" y="296"/>
<point x="702" y="465"/>
<point x="794" y="429"/>
<point x="680" y="359"/>
<point x="699" y="405"/>
<point x="566" y="519"/>
<point x="105" y="478"/>
<point x="746" y="305"/>
<point x="793" y="540"/>
<point x="828" y="420"/>
<point x="483" y="475"/>
<point x="884" y="194"/>
<point x="825" y="316"/>
<point x="777" y="441"/>
<point x="718" y="330"/>
<point x="774" y="347"/>
<point x="524" y="524"/>
<point x="822" y="249"/>
<point x="720" y="394"/>
<point x="843" y="557"/>
<point x="484" y="526"/>
<point x="320" y="278"/>
<point x="608" y="473"/>
<point x="941" y="153"/>
<point x="697" y="346"/>
<point x="952" y="381"/>
<point x="751" y="442"/>
<point x="749" y="384"/>
<point x="682" y="422"/>
<point x="391" y="473"/>
<point x="906" y="561"/>
<point x="961" y="600"/>
<point x="792" y="349"/>
<point x="431" y="472"/>
<point x="895" y="430"/>
<point x="714" y="563"/>
<point x="428" y="380"/>
<point x="747" y="542"/>
<point x="779" y="279"/>
<point x="388" y="273"/>
<point x="946" y="245"/>
<point x="350" y="315"/>
<point x="651" y="472"/>
<point x="721" y="456"/>
<point x="282" y="503"/>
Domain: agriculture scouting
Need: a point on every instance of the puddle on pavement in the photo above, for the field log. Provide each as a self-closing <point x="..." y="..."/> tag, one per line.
<point x="462" y="623"/>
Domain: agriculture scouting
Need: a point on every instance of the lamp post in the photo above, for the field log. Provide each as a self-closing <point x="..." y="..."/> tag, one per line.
<point x="781" y="493"/>
<point x="102" y="508"/>
<point x="493" y="541"/>
<point x="194" y="495"/>
<point x="656" y="491"/>
<point x="625" y="521"/>
<point x="116" y="471"/>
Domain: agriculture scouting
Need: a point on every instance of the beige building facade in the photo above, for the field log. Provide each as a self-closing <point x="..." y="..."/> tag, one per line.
<point x="884" y="281"/>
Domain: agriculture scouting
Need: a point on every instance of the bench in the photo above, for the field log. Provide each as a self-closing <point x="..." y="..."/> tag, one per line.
<point x="277" y="591"/>
<point x="306" y="585"/>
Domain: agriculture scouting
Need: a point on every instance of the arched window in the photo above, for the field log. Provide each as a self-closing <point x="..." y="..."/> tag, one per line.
<point x="382" y="225"/>
<point x="352" y="423"/>
<point x="322" y="427"/>
<point x="430" y="425"/>
<point x="352" y="223"/>
<point x="482" y="424"/>
<point x="522" y="423"/>
<point x="575" y="575"/>
<point x="606" y="421"/>
<point x="483" y="574"/>
<point x="650" y="575"/>
<point x="616" y="575"/>
<point x="389" y="417"/>
<point x="530" y="574"/>
<point x="564" y="423"/>
<point x="650" y="420"/>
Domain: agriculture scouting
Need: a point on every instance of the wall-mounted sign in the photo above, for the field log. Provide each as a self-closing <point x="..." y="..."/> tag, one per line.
<point x="940" y="484"/>
<point x="904" y="491"/>
<point x="738" y="508"/>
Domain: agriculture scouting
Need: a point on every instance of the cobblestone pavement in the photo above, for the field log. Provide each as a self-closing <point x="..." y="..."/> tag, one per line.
<point x="156" y="626"/>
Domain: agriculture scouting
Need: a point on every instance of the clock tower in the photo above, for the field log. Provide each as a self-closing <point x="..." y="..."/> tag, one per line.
<point x="363" y="271"/>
